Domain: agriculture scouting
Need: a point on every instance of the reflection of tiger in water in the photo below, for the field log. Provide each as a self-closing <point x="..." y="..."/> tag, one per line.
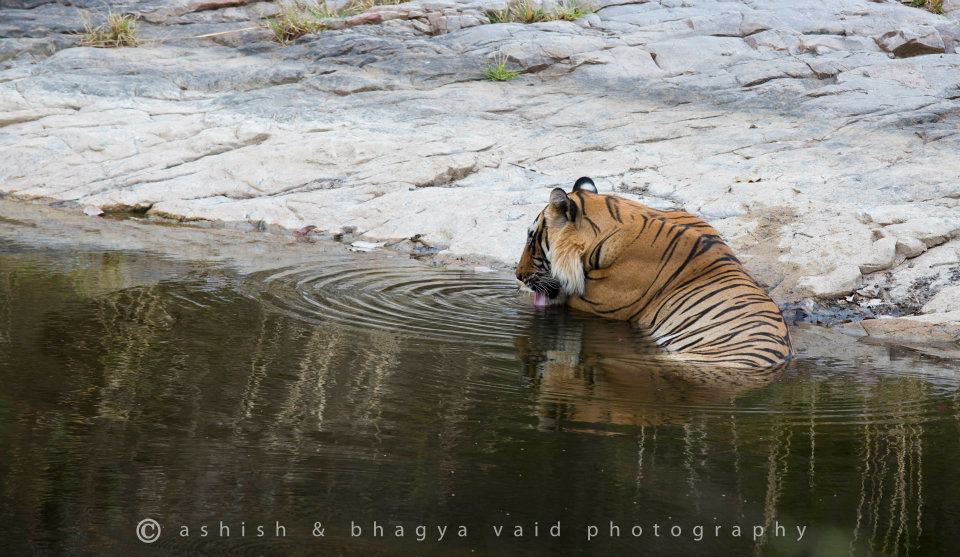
<point x="669" y="273"/>
<point x="588" y="373"/>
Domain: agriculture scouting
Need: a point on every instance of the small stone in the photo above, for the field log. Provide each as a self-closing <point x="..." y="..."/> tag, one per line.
<point x="870" y="291"/>
<point x="839" y="282"/>
<point x="365" y="246"/>
<point x="92" y="211"/>
<point x="304" y="230"/>
<point x="910" y="247"/>
<point x="883" y="255"/>
<point x="904" y="44"/>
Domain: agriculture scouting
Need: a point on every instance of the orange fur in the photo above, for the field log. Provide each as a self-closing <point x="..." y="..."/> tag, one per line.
<point x="667" y="272"/>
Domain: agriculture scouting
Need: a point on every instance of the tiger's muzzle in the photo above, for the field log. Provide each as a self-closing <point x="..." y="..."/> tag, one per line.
<point x="545" y="288"/>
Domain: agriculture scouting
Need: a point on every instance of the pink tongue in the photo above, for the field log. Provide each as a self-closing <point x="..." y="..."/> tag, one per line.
<point x="540" y="299"/>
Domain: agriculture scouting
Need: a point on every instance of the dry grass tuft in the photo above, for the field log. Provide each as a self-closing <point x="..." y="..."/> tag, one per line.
<point x="297" y="18"/>
<point x="525" y="11"/>
<point x="571" y="10"/>
<point x="498" y="71"/>
<point x="117" y="31"/>
<point x="935" y="6"/>
<point x="294" y="20"/>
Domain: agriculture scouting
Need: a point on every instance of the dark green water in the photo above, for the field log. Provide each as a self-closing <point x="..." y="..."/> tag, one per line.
<point x="372" y="388"/>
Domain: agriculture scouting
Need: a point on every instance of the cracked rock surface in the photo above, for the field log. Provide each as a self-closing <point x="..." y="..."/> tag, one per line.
<point x="819" y="136"/>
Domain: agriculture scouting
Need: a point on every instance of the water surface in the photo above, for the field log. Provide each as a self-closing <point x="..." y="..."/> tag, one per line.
<point x="370" y="387"/>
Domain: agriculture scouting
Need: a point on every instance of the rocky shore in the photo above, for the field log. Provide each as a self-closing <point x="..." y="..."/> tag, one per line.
<point x="819" y="136"/>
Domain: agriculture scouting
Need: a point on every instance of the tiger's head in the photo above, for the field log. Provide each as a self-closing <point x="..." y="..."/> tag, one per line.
<point x="550" y="264"/>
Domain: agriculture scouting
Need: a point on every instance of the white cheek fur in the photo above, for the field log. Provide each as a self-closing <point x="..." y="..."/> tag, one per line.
<point x="567" y="268"/>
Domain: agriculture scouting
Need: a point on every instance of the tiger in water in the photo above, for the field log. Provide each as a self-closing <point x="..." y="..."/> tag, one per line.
<point x="667" y="272"/>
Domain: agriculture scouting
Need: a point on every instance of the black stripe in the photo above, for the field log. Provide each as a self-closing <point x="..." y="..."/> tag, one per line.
<point x="613" y="207"/>
<point x="594" y="258"/>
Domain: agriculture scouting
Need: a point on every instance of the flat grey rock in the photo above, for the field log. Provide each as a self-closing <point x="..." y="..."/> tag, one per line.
<point x="819" y="137"/>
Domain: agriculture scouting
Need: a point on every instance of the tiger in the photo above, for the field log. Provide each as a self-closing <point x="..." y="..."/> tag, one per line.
<point x="668" y="273"/>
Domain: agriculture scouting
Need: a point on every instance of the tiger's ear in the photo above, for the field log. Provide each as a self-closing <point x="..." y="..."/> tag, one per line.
<point x="585" y="184"/>
<point x="562" y="205"/>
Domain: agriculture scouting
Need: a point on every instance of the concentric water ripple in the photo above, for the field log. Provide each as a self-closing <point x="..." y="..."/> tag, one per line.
<point x="402" y="297"/>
